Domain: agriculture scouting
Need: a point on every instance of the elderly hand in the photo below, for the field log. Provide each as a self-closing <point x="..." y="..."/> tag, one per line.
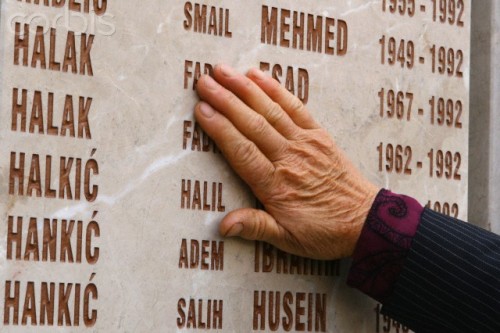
<point x="315" y="200"/>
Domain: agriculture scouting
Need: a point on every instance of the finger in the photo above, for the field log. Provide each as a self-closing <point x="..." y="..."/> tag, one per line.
<point x="255" y="98"/>
<point x="290" y="103"/>
<point x="253" y="224"/>
<point x="251" y="124"/>
<point x="242" y="154"/>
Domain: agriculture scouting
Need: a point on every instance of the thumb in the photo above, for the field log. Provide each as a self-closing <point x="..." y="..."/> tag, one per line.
<point x="252" y="224"/>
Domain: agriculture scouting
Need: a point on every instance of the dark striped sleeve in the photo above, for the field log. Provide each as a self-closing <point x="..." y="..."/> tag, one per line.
<point x="450" y="281"/>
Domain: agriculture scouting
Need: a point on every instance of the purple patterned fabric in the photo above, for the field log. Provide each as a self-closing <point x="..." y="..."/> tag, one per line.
<point x="383" y="244"/>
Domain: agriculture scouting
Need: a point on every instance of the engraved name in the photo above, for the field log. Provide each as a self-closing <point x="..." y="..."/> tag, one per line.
<point x="73" y="176"/>
<point x="295" y="80"/>
<point x="204" y="255"/>
<point x="49" y="304"/>
<point x="66" y="241"/>
<point x="315" y="33"/>
<point x="202" y="195"/>
<point x="82" y="6"/>
<point x="195" y="139"/>
<point x="300" y="312"/>
<point x="208" y="20"/>
<point x="37" y="117"/>
<point x="195" y="74"/>
<point x="199" y="314"/>
<point x="268" y="259"/>
<point x="43" y="52"/>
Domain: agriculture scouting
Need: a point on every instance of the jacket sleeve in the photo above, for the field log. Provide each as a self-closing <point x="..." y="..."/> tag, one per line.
<point x="446" y="280"/>
<point x="450" y="280"/>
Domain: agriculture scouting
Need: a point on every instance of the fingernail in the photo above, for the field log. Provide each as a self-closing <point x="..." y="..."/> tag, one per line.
<point x="235" y="230"/>
<point x="206" y="110"/>
<point x="227" y="71"/>
<point x="258" y="74"/>
<point x="209" y="82"/>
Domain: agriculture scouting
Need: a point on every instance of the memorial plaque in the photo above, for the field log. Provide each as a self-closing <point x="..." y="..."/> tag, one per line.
<point x="111" y="194"/>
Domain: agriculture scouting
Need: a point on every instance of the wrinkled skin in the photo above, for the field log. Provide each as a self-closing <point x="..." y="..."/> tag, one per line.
<point x="315" y="200"/>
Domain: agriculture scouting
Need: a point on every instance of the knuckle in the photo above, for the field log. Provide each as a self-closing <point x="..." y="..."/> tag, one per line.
<point x="315" y="139"/>
<point x="245" y="152"/>
<point x="282" y="152"/>
<point x="276" y="89"/>
<point x="248" y="84"/>
<point x="260" y="230"/>
<point x="296" y="106"/>
<point x="229" y="98"/>
<point x="266" y="178"/>
<point x="274" y="113"/>
<point x="259" y="124"/>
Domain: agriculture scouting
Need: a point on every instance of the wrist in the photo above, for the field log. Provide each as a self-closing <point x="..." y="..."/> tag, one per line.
<point x="370" y="193"/>
<point x="384" y="243"/>
<point x="368" y="196"/>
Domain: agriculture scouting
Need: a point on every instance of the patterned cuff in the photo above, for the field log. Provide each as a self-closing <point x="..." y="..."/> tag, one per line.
<point x="383" y="244"/>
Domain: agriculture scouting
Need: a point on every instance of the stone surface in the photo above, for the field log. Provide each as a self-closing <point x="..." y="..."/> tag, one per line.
<point x="134" y="200"/>
<point x="485" y="124"/>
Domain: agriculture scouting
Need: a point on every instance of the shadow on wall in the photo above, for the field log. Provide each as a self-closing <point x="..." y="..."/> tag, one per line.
<point x="480" y="113"/>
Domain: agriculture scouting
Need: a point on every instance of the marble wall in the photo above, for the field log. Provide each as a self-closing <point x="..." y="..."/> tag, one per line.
<point x="110" y="193"/>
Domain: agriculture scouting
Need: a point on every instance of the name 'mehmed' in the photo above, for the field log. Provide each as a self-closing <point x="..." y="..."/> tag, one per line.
<point x="303" y="31"/>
